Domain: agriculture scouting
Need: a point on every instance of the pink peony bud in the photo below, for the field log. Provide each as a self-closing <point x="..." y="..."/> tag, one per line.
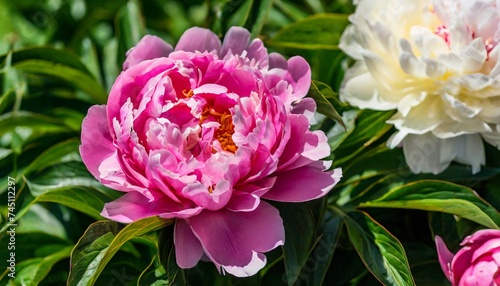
<point x="476" y="263"/>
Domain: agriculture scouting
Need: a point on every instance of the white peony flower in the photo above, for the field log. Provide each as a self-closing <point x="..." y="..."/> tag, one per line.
<point x="437" y="63"/>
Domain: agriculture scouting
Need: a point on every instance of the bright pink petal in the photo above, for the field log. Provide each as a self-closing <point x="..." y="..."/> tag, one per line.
<point x="299" y="76"/>
<point x="134" y="206"/>
<point x="198" y="39"/>
<point x="93" y="151"/>
<point x="188" y="249"/>
<point x="148" y="48"/>
<point x="445" y="257"/>
<point x="235" y="41"/>
<point x="303" y="184"/>
<point x="231" y="239"/>
<point x="489" y="246"/>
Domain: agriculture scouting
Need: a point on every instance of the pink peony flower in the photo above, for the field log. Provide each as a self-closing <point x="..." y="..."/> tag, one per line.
<point x="476" y="263"/>
<point x="201" y="134"/>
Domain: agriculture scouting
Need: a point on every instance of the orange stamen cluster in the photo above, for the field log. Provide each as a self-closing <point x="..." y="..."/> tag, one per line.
<point x="226" y="130"/>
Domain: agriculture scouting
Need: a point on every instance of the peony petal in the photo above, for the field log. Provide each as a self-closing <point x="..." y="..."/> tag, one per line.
<point x="243" y="202"/>
<point x="188" y="249"/>
<point x="299" y="73"/>
<point x="235" y="41"/>
<point x="471" y="152"/>
<point x="445" y="257"/>
<point x="94" y="151"/>
<point x="198" y="39"/>
<point x="303" y="184"/>
<point x="258" y="262"/>
<point x="232" y="238"/>
<point x="131" y="207"/>
<point x="148" y="48"/>
<point x="429" y="154"/>
<point x="277" y="61"/>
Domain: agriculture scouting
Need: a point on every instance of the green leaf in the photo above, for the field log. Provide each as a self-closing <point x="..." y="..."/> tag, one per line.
<point x="297" y="219"/>
<point x="370" y="127"/>
<point x="320" y="31"/>
<point x="440" y="196"/>
<point x="322" y="93"/>
<point x="79" y="79"/>
<point x="62" y="152"/>
<point x="320" y="259"/>
<point x="47" y="54"/>
<point x="7" y="99"/>
<point x="381" y="252"/>
<point x="89" y="201"/>
<point x="41" y="220"/>
<point x="262" y="9"/>
<point x="67" y="174"/>
<point x="100" y="242"/>
<point x="130" y="27"/>
<point x="33" y="271"/>
<point x="166" y="253"/>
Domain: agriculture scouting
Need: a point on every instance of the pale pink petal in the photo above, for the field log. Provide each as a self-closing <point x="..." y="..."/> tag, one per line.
<point x="93" y="151"/>
<point x="257" y="51"/>
<point x="303" y="184"/>
<point x="231" y="238"/>
<point x="148" y="48"/>
<point x="299" y="73"/>
<point x="235" y="41"/>
<point x="213" y="199"/>
<point x="277" y="61"/>
<point x="188" y="249"/>
<point x="445" y="257"/>
<point x="198" y="39"/>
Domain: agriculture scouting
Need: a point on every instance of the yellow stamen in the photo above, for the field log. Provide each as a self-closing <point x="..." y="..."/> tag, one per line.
<point x="188" y="93"/>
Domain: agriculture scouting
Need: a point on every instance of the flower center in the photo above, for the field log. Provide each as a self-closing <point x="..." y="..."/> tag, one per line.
<point x="226" y="130"/>
<point x="444" y="33"/>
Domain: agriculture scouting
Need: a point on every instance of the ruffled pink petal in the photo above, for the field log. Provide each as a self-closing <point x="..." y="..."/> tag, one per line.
<point x="148" y="48"/>
<point x="257" y="51"/>
<point x="134" y="206"/>
<point x="306" y="107"/>
<point x="93" y="151"/>
<point x="483" y="271"/>
<point x="231" y="239"/>
<point x="235" y="41"/>
<point x="303" y="184"/>
<point x="209" y="199"/>
<point x="304" y="146"/>
<point x="299" y="75"/>
<point x="489" y="246"/>
<point x="188" y="249"/>
<point x="445" y="257"/>
<point x="198" y="39"/>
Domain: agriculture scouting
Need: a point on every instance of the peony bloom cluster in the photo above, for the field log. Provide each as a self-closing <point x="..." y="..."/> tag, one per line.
<point x="476" y="263"/>
<point x="202" y="134"/>
<point x="437" y="63"/>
